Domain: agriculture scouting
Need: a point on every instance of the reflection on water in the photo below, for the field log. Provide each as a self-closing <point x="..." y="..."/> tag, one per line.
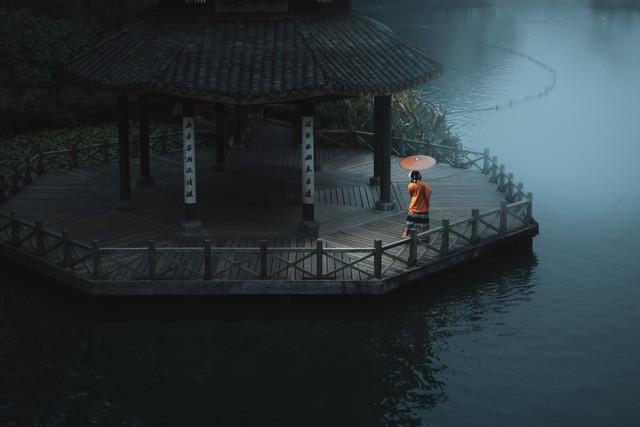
<point x="71" y="360"/>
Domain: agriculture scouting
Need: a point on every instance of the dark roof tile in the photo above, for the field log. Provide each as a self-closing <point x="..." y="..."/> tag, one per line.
<point x="255" y="60"/>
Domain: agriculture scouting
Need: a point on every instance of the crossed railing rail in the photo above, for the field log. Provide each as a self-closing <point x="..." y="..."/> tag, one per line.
<point x="321" y="262"/>
<point x="75" y="156"/>
<point x="205" y="262"/>
<point x="454" y="155"/>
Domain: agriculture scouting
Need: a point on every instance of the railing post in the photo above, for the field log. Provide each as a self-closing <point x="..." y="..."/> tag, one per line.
<point x="519" y="194"/>
<point x="485" y="162"/>
<point x="377" y="259"/>
<point x="67" y="261"/>
<point x="73" y="156"/>
<point x="163" y="143"/>
<point x="493" y="178"/>
<point x="503" y="217"/>
<point x="105" y="150"/>
<point x="27" y="171"/>
<point x="15" y="229"/>
<point x="15" y="182"/>
<point x="501" y="179"/>
<point x="135" y="147"/>
<point x="151" y="254"/>
<point x="413" y="248"/>
<point x="263" y="259"/>
<point x="3" y="190"/>
<point x="97" y="262"/>
<point x="429" y="148"/>
<point x="444" y="242"/>
<point x="40" y="249"/>
<point x="475" y="225"/>
<point x="403" y="147"/>
<point x="510" y="187"/>
<point x="529" y="214"/>
<point x="40" y="165"/>
<point x="207" y="260"/>
<point x="319" y="246"/>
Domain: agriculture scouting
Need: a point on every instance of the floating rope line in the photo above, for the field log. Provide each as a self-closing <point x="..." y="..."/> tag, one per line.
<point x="546" y="90"/>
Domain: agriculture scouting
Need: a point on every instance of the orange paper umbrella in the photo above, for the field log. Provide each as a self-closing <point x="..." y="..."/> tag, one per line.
<point x="417" y="163"/>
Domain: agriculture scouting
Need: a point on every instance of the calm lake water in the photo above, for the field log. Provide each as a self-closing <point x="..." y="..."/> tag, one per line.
<point x="541" y="335"/>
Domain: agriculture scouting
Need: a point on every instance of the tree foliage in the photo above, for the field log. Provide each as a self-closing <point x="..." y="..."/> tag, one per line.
<point x="33" y="90"/>
<point x="33" y="48"/>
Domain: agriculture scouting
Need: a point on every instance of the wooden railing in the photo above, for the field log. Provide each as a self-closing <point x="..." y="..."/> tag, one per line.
<point x="96" y="262"/>
<point x="205" y="262"/>
<point x="75" y="156"/>
<point x="456" y="156"/>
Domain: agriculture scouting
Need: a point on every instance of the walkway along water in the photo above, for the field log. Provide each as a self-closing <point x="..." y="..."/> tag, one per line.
<point x="207" y="264"/>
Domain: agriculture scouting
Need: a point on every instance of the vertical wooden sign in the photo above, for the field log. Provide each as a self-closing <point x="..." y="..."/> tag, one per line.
<point x="189" y="158"/>
<point x="308" y="184"/>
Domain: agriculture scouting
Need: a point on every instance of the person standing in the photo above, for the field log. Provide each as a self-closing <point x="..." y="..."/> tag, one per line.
<point x="418" y="210"/>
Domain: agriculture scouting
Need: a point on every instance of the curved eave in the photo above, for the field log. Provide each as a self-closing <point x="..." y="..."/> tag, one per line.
<point x="255" y="61"/>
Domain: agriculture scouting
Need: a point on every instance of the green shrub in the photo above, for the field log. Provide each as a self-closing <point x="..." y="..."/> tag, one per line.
<point x="411" y="118"/>
<point x="15" y="149"/>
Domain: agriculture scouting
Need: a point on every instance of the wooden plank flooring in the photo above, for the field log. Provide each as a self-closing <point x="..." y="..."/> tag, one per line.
<point x="257" y="197"/>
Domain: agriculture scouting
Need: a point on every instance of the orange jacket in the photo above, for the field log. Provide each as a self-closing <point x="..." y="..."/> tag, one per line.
<point x="420" y="193"/>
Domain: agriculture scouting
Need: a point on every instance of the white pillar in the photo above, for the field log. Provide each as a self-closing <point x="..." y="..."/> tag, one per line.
<point x="191" y="223"/>
<point x="189" y="160"/>
<point x="308" y="169"/>
<point x="309" y="225"/>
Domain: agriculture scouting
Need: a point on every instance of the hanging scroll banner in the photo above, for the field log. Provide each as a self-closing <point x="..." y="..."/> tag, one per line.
<point x="189" y="159"/>
<point x="308" y="184"/>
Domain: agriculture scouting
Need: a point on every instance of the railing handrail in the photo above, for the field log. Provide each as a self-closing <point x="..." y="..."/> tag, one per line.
<point x="437" y="241"/>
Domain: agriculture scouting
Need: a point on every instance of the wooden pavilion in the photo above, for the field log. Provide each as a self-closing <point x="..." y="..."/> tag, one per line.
<point x="252" y="53"/>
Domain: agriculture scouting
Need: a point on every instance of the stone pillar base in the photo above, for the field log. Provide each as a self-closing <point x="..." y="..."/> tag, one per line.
<point x="191" y="227"/>
<point x="385" y="206"/>
<point x="124" y="206"/>
<point x="146" y="181"/>
<point x="310" y="228"/>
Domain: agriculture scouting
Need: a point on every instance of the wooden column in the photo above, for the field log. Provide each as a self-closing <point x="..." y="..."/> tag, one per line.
<point x="308" y="152"/>
<point x="145" y="148"/>
<point x="123" y="153"/>
<point x="220" y="137"/>
<point x="382" y="130"/>
<point x="239" y="123"/>
<point x="191" y="223"/>
<point x="377" y="140"/>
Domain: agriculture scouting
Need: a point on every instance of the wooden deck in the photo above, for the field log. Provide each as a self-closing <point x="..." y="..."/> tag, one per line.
<point x="256" y="198"/>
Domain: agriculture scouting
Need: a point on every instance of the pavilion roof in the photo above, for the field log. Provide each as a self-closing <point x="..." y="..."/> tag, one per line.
<point x="255" y="60"/>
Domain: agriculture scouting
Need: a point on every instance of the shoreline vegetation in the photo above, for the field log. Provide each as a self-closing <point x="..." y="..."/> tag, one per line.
<point x="412" y="118"/>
